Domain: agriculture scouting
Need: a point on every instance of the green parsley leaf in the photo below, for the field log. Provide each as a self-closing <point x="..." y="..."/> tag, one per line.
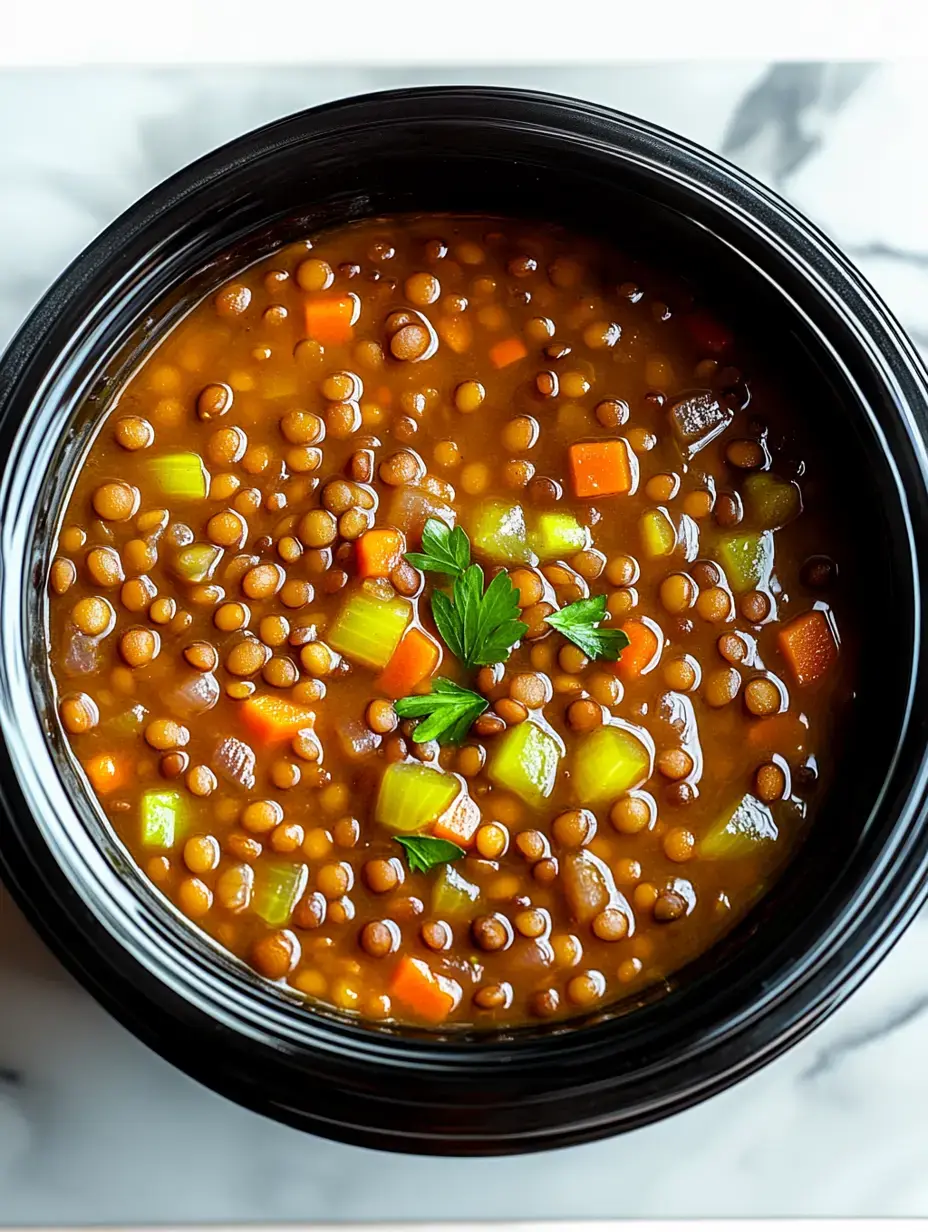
<point x="447" y="712"/>
<point x="468" y="591"/>
<point x="578" y="622"/>
<point x="498" y="623"/>
<point x="423" y="851"/>
<point x="447" y="623"/>
<point x="443" y="550"/>
<point x="478" y="627"/>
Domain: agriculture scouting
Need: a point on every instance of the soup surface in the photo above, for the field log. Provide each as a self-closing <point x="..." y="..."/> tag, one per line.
<point x="506" y="772"/>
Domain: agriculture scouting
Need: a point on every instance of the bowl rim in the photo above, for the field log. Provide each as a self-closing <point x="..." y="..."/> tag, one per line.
<point x="828" y="977"/>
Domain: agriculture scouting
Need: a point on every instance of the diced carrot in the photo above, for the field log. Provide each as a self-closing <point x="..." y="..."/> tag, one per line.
<point x="600" y="468"/>
<point x="421" y="990"/>
<point x="785" y="734"/>
<point x="809" y="646"/>
<point x="459" y="824"/>
<point x="507" y="352"/>
<point x="708" y="333"/>
<point x="642" y="649"/>
<point x="455" y="332"/>
<point x="379" y="551"/>
<point x="106" y="773"/>
<point x="329" y="318"/>
<point x="274" y="719"/>
<point x="383" y="394"/>
<point x="414" y="660"/>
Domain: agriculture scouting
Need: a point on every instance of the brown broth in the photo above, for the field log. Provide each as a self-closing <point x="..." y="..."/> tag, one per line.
<point x="604" y="351"/>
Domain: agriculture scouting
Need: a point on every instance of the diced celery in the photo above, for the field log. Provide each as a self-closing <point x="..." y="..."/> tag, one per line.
<point x="771" y="502"/>
<point x="279" y="385"/>
<point x="748" y="826"/>
<point x="182" y="475"/>
<point x="498" y="531"/>
<point x="557" y="535"/>
<point x="658" y="533"/>
<point x="412" y="795"/>
<point x="453" y="894"/>
<point x="197" y="562"/>
<point x="162" y="818"/>
<point x="526" y="761"/>
<point x="609" y="762"/>
<point x="279" y="888"/>
<point x="367" y="630"/>
<point x="747" y="560"/>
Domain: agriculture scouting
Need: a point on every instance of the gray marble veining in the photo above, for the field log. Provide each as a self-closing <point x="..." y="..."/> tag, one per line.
<point x="93" y="1127"/>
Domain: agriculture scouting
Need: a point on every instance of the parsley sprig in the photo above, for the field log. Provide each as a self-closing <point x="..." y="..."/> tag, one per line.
<point x="478" y="626"/>
<point x="579" y="622"/>
<point x="447" y="712"/>
<point x="443" y="550"/>
<point x="424" y="851"/>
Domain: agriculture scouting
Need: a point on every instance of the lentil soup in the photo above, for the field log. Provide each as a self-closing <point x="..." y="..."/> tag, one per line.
<point x="446" y="617"/>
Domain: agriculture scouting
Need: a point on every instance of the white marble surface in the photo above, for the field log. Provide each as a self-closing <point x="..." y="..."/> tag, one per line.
<point x="93" y="1127"/>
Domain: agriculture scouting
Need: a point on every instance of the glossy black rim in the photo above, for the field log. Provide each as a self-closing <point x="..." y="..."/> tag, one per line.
<point x="204" y="1011"/>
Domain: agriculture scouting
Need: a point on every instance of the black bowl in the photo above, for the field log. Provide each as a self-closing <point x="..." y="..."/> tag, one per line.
<point x="848" y="893"/>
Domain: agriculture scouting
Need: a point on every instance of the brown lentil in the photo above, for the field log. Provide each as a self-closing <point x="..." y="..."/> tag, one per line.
<point x="721" y="686"/>
<point x="610" y="924"/>
<point x="138" y="646"/>
<point x="115" y="501"/>
<point x="491" y="932"/>
<point x="669" y="905"/>
<point x="754" y="607"/>
<point x="93" y="616"/>
<point x="762" y="696"/>
<point x="630" y="815"/>
<point x="770" y="782"/>
<point x="584" y="715"/>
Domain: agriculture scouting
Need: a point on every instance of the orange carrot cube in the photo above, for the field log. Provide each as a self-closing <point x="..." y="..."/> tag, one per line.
<point x="330" y="318"/>
<point x="421" y="990"/>
<point x="641" y="651"/>
<point x="274" y="719"/>
<point x="414" y="660"/>
<point x="506" y="352"/>
<point x="106" y="773"/>
<point x="785" y="734"/>
<point x="379" y="551"/>
<point x="809" y="645"/>
<point x="600" y="468"/>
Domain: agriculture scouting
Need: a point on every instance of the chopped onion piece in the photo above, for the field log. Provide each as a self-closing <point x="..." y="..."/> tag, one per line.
<point x="82" y="655"/>
<point x="698" y="418"/>
<point x="357" y="739"/>
<point x="197" y="693"/>
<point x="235" y="761"/>
<point x="590" y="888"/>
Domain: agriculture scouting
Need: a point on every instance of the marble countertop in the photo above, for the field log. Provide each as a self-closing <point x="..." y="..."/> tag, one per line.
<point x="94" y="1128"/>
